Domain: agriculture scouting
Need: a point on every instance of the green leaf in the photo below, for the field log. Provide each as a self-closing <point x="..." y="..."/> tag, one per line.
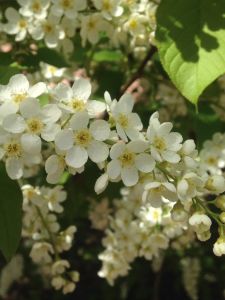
<point x="108" y="56"/>
<point x="10" y="214"/>
<point x="191" y="42"/>
<point x="51" y="57"/>
<point x="6" y="73"/>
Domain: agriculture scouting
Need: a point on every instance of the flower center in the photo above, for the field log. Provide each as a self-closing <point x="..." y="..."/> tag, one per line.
<point x="127" y="159"/>
<point x="66" y="4"/>
<point x="13" y="149"/>
<point x="123" y="120"/>
<point x="133" y="24"/>
<point x="91" y="24"/>
<point x="47" y="28"/>
<point x="18" y="98"/>
<point x="35" y="126"/>
<point x="77" y="104"/>
<point x="83" y="138"/>
<point x="106" y="5"/>
<point x="159" y="144"/>
<point x="36" y="6"/>
<point x="22" y="24"/>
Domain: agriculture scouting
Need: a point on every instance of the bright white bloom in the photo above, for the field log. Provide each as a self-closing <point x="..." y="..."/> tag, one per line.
<point x="91" y="26"/>
<point x="128" y="160"/>
<point x="189" y="186"/>
<point x="200" y="222"/>
<point x="69" y="8"/>
<point x="34" y="8"/>
<point x="164" y="144"/>
<point x="50" y="71"/>
<point x="15" y="92"/>
<point x="127" y="124"/>
<point x="219" y="246"/>
<point x="17" y="24"/>
<point x="76" y="98"/>
<point x="136" y="24"/>
<point x="109" y="8"/>
<point x="55" y="197"/>
<point x="81" y="142"/>
<point x="47" y="29"/>
<point x="156" y="193"/>
<point x="215" y="184"/>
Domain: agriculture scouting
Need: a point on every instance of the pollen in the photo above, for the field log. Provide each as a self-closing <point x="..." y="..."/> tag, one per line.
<point x="35" y="126"/>
<point x="13" y="149"/>
<point x="123" y="120"/>
<point x="22" y="24"/>
<point x="78" y="105"/>
<point x="127" y="159"/>
<point x="66" y="3"/>
<point x="83" y="138"/>
<point x="159" y="143"/>
<point x="106" y="5"/>
<point x="18" y="98"/>
<point x="36" y="6"/>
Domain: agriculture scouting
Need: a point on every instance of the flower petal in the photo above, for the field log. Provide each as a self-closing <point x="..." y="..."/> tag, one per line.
<point x="100" y="130"/>
<point x="98" y="151"/>
<point x="144" y="162"/>
<point x="76" y="157"/>
<point x="31" y="143"/>
<point x="14" y="123"/>
<point x="64" y="139"/>
<point x="81" y="89"/>
<point x="129" y="176"/>
<point x="80" y="120"/>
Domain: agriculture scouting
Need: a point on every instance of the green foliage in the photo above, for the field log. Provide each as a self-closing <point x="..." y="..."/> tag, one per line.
<point x="108" y="56"/>
<point x="190" y="38"/>
<point x="10" y="214"/>
<point x="51" y="57"/>
<point x="6" y="72"/>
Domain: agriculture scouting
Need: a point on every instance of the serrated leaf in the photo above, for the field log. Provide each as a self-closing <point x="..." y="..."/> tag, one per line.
<point x="10" y="214"/>
<point x="191" y="42"/>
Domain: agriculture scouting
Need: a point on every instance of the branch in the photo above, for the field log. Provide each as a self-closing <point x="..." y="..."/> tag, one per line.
<point x="139" y="71"/>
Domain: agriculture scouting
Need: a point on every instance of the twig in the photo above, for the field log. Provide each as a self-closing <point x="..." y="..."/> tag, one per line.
<point x="139" y="71"/>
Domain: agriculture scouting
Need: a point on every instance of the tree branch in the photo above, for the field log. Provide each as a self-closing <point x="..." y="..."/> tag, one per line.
<point x="139" y="71"/>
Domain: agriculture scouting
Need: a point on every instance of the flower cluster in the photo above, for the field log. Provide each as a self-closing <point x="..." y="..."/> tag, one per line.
<point x="171" y="178"/>
<point x="57" y="21"/>
<point x="48" y="241"/>
<point x="137" y="230"/>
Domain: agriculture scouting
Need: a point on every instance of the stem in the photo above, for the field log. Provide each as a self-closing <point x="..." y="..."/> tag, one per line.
<point x="51" y="236"/>
<point x="139" y="71"/>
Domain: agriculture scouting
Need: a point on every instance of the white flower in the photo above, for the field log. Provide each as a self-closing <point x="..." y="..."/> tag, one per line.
<point x="189" y="186"/>
<point x="156" y="193"/>
<point x="215" y="184"/>
<point x="17" y="24"/>
<point x="164" y="144"/>
<point x="69" y="8"/>
<point x="91" y="26"/>
<point x="76" y="99"/>
<point x="18" y="90"/>
<point x="55" y="197"/>
<point x="47" y="29"/>
<point x="200" y="222"/>
<point x="136" y="24"/>
<point x="127" y="124"/>
<point x="50" y="71"/>
<point x="128" y="160"/>
<point x="34" y="8"/>
<point x="81" y="142"/>
<point x="41" y="252"/>
<point x="60" y="267"/>
<point x="109" y="8"/>
<point x="219" y="246"/>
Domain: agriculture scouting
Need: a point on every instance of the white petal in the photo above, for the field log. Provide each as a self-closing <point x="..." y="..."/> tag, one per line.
<point x="95" y="108"/>
<point x="81" y="89"/>
<point x="129" y="176"/>
<point x="14" y="123"/>
<point x="135" y="121"/>
<point x="64" y="139"/>
<point x="29" y="108"/>
<point x="14" y="168"/>
<point x="98" y="151"/>
<point x="37" y="89"/>
<point x="63" y="92"/>
<point x="50" y="113"/>
<point x="31" y="143"/>
<point x="121" y="132"/>
<point x="6" y="109"/>
<point x="18" y="84"/>
<point x="117" y="149"/>
<point x="171" y="156"/>
<point x="113" y="169"/>
<point x="50" y="131"/>
<point x="101" y="183"/>
<point x="144" y="162"/>
<point x="80" y="120"/>
<point x="100" y="130"/>
<point x="52" y="164"/>
<point x="76" y="157"/>
<point x="126" y="103"/>
<point x="137" y="146"/>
